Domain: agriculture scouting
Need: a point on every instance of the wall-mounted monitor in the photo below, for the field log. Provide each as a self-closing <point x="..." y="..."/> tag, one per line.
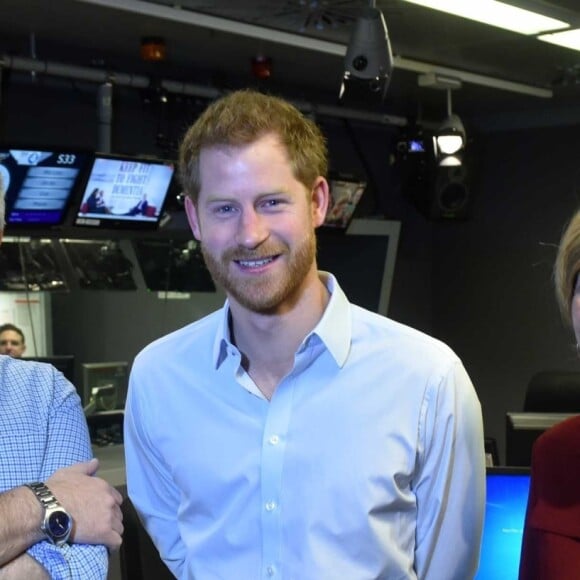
<point x="125" y="192"/>
<point x="346" y="192"/>
<point x="39" y="184"/>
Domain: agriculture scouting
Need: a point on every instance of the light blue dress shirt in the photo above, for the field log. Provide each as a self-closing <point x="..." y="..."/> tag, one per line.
<point x="367" y="463"/>
<point x="43" y="428"/>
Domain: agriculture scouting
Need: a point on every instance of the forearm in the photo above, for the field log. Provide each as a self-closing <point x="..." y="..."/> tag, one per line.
<point x="23" y="566"/>
<point x="20" y="516"/>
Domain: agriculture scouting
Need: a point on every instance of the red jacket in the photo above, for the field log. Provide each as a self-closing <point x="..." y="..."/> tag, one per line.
<point x="551" y="542"/>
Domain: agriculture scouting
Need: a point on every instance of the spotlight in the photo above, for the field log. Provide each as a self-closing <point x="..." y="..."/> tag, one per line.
<point x="368" y="61"/>
<point x="450" y="138"/>
<point x="451" y="135"/>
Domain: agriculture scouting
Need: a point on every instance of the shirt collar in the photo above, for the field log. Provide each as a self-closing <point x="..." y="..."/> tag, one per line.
<point x="333" y="329"/>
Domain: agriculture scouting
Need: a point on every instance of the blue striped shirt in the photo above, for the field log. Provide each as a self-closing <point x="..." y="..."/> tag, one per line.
<point x="43" y="428"/>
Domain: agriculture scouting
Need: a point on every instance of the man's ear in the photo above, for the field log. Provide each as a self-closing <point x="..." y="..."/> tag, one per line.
<point x="192" y="218"/>
<point x="320" y="197"/>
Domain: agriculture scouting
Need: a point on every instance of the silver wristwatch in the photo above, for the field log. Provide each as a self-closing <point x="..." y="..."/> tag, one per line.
<point x="56" y="521"/>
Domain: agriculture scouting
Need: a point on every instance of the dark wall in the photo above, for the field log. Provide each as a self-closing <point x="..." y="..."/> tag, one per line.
<point x="493" y="298"/>
<point x="482" y="285"/>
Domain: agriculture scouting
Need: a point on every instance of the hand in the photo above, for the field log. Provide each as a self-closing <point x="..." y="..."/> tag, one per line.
<point x="94" y="505"/>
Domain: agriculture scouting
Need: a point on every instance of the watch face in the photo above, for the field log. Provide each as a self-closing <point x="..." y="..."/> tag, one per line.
<point x="59" y="524"/>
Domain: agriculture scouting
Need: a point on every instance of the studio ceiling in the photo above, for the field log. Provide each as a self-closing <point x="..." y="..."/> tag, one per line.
<point x="212" y="44"/>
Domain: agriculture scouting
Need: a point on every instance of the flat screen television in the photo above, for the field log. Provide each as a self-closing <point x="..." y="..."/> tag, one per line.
<point x="125" y="192"/>
<point x="507" y="490"/>
<point x="39" y="184"/>
<point x="522" y="430"/>
<point x="346" y="192"/>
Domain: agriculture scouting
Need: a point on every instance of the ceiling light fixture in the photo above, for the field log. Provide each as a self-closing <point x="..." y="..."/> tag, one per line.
<point x="567" y="39"/>
<point x="497" y="14"/>
<point x="187" y="16"/>
<point x="450" y="138"/>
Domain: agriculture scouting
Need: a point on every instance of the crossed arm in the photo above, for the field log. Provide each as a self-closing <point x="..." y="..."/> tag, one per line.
<point x="93" y="504"/>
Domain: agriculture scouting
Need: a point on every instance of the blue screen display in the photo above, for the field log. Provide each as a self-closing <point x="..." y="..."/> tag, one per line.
<point x="505" y="512"/>
<point x="39" y="184"/>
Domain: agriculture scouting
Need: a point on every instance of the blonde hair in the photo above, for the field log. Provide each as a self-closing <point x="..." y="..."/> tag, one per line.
<point x="244" y="116"/>
<point x="567" y="266"/>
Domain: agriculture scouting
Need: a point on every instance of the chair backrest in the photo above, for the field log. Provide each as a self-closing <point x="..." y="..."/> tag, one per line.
<point x="139" y="557"/>
<point x="553" y="392"/>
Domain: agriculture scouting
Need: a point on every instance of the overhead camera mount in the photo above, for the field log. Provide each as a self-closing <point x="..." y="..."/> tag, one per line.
<point x="369" y="60"/>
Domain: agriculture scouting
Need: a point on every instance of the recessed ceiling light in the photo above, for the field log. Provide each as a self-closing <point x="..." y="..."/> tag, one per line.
<point x="497" y="14"/>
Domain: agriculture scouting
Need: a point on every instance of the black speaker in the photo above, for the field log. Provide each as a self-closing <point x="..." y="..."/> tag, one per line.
<point x="450" y="195"/>
<point x="439" y="193"/>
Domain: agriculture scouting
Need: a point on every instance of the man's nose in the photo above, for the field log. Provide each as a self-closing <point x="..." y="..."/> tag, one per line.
<point x="252" y="229"/>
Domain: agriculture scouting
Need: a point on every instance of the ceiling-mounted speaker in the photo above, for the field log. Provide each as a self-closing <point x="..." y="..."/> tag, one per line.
<point x="439" y="193"/>
<point x="451" y="196"/>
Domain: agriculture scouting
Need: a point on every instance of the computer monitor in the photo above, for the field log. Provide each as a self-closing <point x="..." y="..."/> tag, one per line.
<point x="522" y="430"/>
<point x="104" y="385"/>
<point x="65" y="363"/>
<point x="346" y="192"/>
<point x="125" y="192"/>
<point x="505" y="514"/>
<point x="39" y="183"/>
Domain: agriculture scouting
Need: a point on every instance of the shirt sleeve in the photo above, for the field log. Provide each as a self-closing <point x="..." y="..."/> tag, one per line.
<point x="149" y="483"/>
<point x="67" y="442"/>
<point x="450" y="485"/>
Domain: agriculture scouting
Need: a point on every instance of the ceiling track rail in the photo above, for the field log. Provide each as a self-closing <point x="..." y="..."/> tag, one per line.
<point x="184" y="16"/>
<point x="93" y="75"/>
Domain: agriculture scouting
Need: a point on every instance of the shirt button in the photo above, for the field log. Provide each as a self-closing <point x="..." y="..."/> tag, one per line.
<point x="274" y="440"/>
<point x="271" y="570"/>
<point x="270" y="506"/>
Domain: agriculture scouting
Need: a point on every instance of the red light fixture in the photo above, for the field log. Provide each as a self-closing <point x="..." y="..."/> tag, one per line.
<point x="262" y="67"/>
<point x="153" y="49"/>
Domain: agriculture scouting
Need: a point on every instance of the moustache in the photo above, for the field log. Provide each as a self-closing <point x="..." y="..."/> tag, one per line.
<point x="235" y="254"/>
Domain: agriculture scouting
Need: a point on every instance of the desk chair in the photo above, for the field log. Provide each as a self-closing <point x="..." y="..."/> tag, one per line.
<point x="553" y="392"/>
<point x="140" y="559"/>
